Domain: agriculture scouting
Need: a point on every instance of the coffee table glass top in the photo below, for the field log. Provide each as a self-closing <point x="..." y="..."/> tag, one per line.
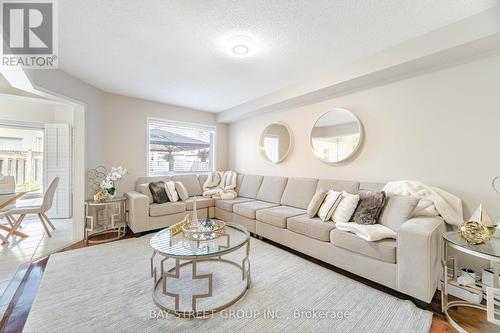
<point x="233" y="236"/>
<point x="491" y="248"/>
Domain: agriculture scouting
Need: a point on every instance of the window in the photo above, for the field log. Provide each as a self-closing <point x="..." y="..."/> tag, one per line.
<point x="179" y="147"/>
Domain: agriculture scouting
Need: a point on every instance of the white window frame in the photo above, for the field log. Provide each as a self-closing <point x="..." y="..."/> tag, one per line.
<point x="213" y="150"/>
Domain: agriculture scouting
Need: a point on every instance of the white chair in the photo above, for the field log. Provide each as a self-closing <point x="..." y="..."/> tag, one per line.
<point x="48" y="198"/>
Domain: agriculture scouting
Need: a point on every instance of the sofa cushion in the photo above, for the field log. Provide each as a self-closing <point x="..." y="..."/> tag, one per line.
<point x="338" y="185"/>
<point x="249" y="209"/>
<point x="346" y="207"/>
<point x="201" y="202"/>
<point x="384" y="250"/>
<point x="190" y="182"/>
<point x="250" y="186"/>
<point x="316" y="202"/>
<point x="311" y="227"/>
<point x="149" y="179"/>
<point x="239" y="180"/>
<point x="166" y="208"/>
<point x="144" y="189"/>
<point x="201" y="180"/>
<point x="397" y="210"/>
<point x="272" y="189"/>
<point x="299" y="192"/>
<point x="181" y="191"/>
<point x="227" y="205"/>
<point x="277" y="216"/>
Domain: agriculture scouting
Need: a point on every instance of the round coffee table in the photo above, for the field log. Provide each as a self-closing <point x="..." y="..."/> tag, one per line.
<point x="184" y="252"/>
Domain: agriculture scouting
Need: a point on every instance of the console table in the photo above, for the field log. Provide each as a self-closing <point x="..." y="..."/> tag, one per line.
<point x="113" y="222"/>
<point x="489" y="251"/>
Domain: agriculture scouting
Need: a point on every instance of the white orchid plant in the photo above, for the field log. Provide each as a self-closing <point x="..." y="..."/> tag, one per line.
<point x="108" y="184"/>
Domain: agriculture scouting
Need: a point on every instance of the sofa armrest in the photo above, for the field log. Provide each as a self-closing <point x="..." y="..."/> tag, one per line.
<point x="138" y="211"/>
<point x="419" y="256"/>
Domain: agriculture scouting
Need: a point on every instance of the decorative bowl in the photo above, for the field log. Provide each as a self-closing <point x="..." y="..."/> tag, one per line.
<point x="204" y="230"/>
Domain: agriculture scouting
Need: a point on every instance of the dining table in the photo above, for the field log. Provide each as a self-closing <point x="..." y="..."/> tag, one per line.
<point x="7" y="199"/>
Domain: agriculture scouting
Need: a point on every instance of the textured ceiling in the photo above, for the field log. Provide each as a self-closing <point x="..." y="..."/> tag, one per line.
<point x="174" y="51"/>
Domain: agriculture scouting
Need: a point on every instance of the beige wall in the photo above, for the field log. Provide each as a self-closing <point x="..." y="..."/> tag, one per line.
<point x="124" y="140"/>
<point x="442" y="128"/>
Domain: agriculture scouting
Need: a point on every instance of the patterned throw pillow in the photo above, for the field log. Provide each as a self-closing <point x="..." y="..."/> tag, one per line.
<point x="370" y="207"/>
<point x="158" y="192"/>
<point x="329" y="204"/>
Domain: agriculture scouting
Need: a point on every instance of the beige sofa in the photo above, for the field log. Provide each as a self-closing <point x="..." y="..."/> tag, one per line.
<point x="275" y="208"/>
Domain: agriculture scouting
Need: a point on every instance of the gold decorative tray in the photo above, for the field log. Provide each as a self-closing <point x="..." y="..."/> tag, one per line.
<point x="203" y="230"/>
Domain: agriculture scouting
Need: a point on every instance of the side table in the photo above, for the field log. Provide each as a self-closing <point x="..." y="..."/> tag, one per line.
<point x="489" y="251"/>
<point x="113" y="223"/>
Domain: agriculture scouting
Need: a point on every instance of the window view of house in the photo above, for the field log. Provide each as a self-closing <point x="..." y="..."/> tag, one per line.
<point x="21" y="156"/>
<point x="177" y="148"/>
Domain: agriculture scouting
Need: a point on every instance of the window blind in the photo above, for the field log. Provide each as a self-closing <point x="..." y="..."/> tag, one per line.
<point x="179" y="147"/>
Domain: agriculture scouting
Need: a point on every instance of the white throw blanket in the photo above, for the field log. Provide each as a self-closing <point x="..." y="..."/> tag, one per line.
<point x="220" y="185"/>
<point x="433" y="201"/>
<point x="368" y="232"/>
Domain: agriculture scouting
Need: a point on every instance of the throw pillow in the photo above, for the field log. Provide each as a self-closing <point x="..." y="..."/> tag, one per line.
<point x="328" y="206"/>
<point x="398" y="210"/>
<point x="316" y="201"/>
<point x="158" y="192"/>
<point x="171" y="192"/>
<point x="346" y="207"/>
<point x="144" y="189"/>
<point x="181" y="191"/>
<point x="369" y="208"/>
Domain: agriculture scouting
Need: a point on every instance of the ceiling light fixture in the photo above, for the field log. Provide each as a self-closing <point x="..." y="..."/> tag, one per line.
<point x="240" y="50"/>
<point x="240" y="46"/>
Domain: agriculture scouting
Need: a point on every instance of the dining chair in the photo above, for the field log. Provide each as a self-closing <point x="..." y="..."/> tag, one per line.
<point x="7" y="184"/>
<point x="41" y="210"/>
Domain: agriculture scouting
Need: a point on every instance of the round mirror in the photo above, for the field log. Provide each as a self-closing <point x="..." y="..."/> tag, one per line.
<point x="275" y="142"/>
<point x="336" y="136"/>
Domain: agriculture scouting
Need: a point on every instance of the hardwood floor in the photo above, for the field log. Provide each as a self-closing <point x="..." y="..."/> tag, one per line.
<point x="15" y="317"/>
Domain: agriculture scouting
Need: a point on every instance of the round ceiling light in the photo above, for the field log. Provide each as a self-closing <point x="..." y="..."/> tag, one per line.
<point x="240" y="50"/>
<point x="240" y="46"/>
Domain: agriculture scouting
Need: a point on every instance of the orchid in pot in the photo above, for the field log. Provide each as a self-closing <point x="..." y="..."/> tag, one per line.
<point x="107" y="185"/>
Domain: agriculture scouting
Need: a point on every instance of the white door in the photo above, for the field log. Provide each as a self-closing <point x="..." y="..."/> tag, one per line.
<point x="57" y="162"/>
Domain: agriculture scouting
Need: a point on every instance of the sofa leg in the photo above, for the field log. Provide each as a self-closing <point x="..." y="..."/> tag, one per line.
<point x="137" y="234"/>
<point x="420" y="304"/>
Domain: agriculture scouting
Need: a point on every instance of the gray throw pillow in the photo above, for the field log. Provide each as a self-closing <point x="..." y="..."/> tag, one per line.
<point x="370" y="207"/>
<point x="397" y="210"/>
<point x="158" y="191"/>
<point x="316" y="201"/>
<point x="181" y="190"/>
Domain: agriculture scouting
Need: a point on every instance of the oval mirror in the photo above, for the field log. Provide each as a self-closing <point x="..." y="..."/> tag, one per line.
<point x="336" y="136"/>
<point x="275" y="142"/>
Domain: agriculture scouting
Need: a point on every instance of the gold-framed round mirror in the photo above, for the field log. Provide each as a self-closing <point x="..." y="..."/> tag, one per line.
<point x="336" y="136"/>
<point x="276" y="142"/>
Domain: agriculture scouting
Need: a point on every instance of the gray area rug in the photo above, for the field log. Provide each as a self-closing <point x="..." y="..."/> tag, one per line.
<point x="107" y="288"/>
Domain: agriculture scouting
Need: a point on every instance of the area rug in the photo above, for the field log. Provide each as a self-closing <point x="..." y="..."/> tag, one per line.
<point x="107" y="288"/>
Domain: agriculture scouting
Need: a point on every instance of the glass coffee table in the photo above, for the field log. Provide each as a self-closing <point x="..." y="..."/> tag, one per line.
<point x="178" y="264"/>
<point x="489" y="251"/>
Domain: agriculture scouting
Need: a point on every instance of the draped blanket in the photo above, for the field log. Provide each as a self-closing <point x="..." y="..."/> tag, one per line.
<point x="220" y="185"/>
<point x="433" y="201"/>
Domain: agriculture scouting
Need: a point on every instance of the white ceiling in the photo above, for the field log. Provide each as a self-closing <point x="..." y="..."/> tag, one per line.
<point x="173" y="51"/>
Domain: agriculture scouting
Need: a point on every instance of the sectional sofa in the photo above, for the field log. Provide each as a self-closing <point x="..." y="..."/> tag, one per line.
<point x="275" y="208"/>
